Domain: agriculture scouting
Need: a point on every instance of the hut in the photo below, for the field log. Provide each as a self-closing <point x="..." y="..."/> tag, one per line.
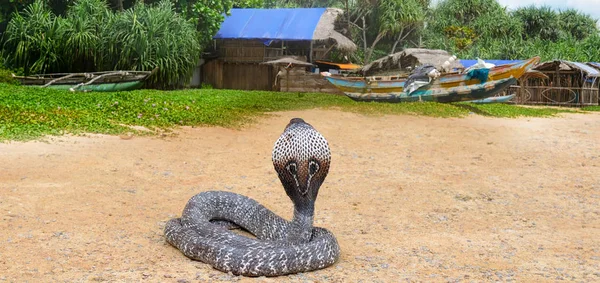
<point x="406" y="60"/>
<point x="249" y="37"/>
<point x="565" y="83"/>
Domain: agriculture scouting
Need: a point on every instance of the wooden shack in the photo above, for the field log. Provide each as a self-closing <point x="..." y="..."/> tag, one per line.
<point x="249" y="37"/>
<point x="566" y="84"/>
<point x="596" y="66"/>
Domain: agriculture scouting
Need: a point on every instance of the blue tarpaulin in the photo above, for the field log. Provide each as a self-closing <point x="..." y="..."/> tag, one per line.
<point x="271" y="24"/>
<point x="469" y="63"/>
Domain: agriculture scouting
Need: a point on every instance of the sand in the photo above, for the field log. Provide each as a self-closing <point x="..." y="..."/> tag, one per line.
<point x="408" y="198"/>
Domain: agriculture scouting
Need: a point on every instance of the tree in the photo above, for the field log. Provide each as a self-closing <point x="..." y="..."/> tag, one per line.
<point x="486" y="17"/>
<point x="402" y="18"/>
<point x="207" y="15"/>
<point x="542" y="22"/>
<point x="576" y="24"/>
<point x="396" y="19"/>
<point x="472" y="27"/>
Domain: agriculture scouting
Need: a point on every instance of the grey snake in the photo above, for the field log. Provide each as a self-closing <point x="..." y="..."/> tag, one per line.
<point x="301" y="157"/>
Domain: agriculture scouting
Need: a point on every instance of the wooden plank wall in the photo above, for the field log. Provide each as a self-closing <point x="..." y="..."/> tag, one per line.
<point x="248" y="76"/>
<point x="212" y="73"/>
<point x="244" y="76"/>
<point x="248" y="51"/>
<point x="302" y="81"/>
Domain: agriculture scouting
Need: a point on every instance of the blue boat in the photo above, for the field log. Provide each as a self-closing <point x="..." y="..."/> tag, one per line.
<point x="436" y="94"/>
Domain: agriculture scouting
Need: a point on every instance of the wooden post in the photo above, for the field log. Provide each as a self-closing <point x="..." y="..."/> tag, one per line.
<point x="310" y="55"/>
<point x="287" y="79"/>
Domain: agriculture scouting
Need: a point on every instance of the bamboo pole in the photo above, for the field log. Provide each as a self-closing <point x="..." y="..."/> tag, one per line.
<point x="95" y="79"/>
<point x="58" y="79"/>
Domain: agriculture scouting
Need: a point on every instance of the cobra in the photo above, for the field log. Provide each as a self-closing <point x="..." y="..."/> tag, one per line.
<point x="301" y="157"/>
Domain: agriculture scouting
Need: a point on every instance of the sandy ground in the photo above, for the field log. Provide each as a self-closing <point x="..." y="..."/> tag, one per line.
<point x="409" y="198"/>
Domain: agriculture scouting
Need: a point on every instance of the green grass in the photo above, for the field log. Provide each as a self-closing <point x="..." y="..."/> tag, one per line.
<point x="591" y="108"/>
<point x="28" y="113"/>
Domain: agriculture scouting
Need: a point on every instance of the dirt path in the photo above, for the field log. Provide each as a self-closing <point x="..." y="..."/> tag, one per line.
<point x="416" y="198"/>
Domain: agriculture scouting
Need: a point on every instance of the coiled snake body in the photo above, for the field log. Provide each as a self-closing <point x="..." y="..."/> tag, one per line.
<point x="301" y="158"/>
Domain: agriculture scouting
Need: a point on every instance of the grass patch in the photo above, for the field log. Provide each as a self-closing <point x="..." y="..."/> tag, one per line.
<point x="28" y="113"/>
<point x="511" y="111"/>
<point x="591" y="108"/>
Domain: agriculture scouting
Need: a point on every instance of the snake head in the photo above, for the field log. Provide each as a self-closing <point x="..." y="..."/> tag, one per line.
<point x="301" y="158"/>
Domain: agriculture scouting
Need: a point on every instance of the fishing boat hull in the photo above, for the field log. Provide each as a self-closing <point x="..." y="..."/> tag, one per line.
<point x="494" y="99"/>
<point x="395" y="84"/>
<point x="97" y="81"/>
<point x="101" y="87"/>
<point x="442" y="95"/>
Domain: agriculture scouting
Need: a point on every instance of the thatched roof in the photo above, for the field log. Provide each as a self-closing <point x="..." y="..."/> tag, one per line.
<point x="410" y="57"/>
<point x="325" y="31"/>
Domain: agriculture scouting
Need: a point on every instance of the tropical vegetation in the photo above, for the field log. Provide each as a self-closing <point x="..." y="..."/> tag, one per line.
<point x="40" y="36"/>
<point x="91" y="37"/>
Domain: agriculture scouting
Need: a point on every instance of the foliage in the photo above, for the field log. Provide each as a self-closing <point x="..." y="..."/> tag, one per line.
<point x="92" y="38"/>
<point x="303" y="3"/>
<point x="145" y="37"/>
<point x="486" y="17"/>
<point x="542" y="22"/>
<point x="386" y="20"/>
<point x="547" y="24"/>
<point x="207" y="15"/>
<point x="33" y="39"/>
<point x="576" y="24"/>
<point x="462" y="36"/>
<point x="84" y="26"/>
<point x="499" y="34"/>
<point x="468" y="28"/>
<point x="6" y="77"/>
<point x="87" y="35"/>
<point x="29" y="113"/>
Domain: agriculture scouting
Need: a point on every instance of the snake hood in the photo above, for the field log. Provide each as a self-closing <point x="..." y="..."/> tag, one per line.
<point x="301" y="157"/>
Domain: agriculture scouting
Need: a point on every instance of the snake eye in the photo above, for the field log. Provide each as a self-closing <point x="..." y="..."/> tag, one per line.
<point x="313" y="167"/>
<point x="292" y="168"/>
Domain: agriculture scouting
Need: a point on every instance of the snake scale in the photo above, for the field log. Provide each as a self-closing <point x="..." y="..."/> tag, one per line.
<point x="301" y="157"/>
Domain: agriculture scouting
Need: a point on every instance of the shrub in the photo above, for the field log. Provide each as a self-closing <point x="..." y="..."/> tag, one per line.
<point x="6" y="77"/>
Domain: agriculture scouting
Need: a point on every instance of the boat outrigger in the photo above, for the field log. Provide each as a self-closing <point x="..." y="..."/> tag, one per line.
<point x="494" y="99"/>
<point x="93" y="81"/>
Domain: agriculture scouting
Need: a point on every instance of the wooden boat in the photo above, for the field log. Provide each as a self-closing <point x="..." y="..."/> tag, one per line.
<point x="494" y="99"/>
<point x="395" y="84"/>
<point x="436" y="94"/>
<point x="94" y="81"/>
